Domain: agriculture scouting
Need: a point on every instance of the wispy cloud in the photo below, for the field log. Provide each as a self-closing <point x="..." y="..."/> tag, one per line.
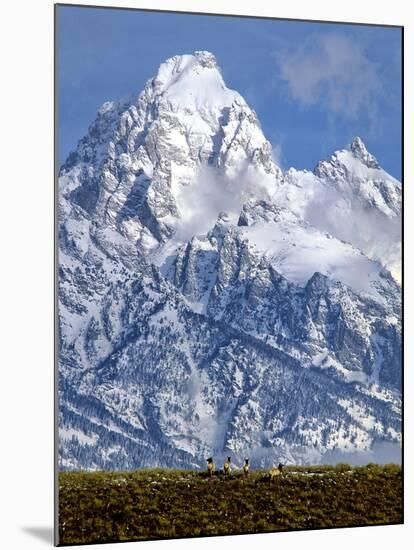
<point x="212" y="192"/>
<point x="332" y="70"/>
<point x="343" y="216"/>
<point x="278" y="156"/>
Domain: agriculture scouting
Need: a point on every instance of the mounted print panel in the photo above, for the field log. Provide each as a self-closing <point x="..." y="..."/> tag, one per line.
<point x="229" y="206"/>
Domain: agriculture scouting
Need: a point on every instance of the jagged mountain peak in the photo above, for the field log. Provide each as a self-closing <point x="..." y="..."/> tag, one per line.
<point x="192" y="71"/>
<point x="353" y="161"/>
<point x="360" y="152"/>
<point x="193" y="80"/>
<point x="354" y="170"/>
<point x="352" y="198"/>
<point x="179" y="65"/>
<point x="146" y="163"/>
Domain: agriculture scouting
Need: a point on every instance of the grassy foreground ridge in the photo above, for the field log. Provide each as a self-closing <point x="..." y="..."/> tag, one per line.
<point x="162" y="503"/>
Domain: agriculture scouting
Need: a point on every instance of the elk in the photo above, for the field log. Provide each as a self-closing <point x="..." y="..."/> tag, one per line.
<point x="275" y="472"/>
<point x="210" y="467"/>
<point x="246" y="468"/>
<point x="226" y="467"/>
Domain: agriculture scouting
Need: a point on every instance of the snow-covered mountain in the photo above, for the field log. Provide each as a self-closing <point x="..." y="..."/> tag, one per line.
<point x="211" y="303"/>
<point x="352" y="198"/>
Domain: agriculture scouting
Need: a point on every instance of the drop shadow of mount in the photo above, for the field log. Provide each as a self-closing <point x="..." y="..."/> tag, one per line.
<point x="44" y="534"/>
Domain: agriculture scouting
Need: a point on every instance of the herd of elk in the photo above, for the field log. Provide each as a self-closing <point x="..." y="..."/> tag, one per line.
<point x="274" y="472"/>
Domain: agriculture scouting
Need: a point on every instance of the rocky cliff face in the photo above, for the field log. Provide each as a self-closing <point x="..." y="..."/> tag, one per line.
<point x="205" y="309"/>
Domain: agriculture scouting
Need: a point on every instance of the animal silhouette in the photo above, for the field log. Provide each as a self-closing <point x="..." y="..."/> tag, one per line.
<point x="246" y="468"/>
<point x="226" y="467"/>
<point x="211" y="467"/>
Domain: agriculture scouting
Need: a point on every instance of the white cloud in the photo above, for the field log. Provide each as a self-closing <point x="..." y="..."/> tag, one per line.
<point x="212" y="192"/>
<point x="343" y="216"/>
<point x="277" y="153"/>
<point x="334" y="70"/>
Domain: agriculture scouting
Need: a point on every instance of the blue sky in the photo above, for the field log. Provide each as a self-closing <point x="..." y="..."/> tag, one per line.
<point x="314" y="86"/>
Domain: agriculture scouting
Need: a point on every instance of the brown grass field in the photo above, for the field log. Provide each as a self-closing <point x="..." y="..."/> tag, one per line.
<point x="161" y="503"/>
